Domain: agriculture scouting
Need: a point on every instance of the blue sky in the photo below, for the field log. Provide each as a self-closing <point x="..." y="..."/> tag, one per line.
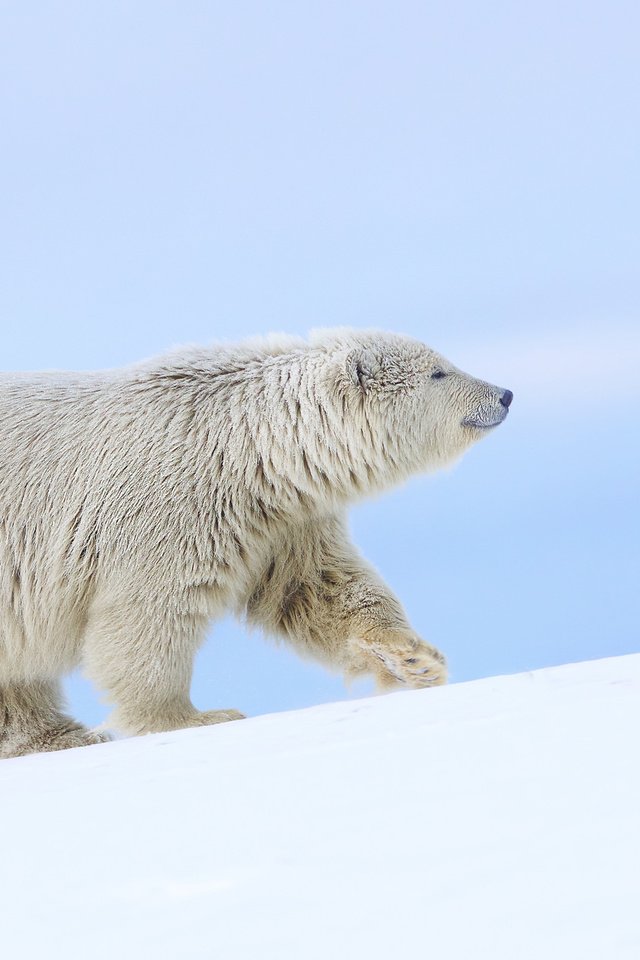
<point x="466" y="173"/>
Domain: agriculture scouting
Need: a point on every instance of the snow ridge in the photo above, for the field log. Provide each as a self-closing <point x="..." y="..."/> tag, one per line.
<point x="495" y="819"/>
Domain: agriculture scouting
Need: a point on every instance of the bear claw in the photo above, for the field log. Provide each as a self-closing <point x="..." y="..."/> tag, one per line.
<point x="425" y="667"/>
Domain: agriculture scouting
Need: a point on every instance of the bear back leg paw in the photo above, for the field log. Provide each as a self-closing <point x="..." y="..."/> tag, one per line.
<point x="64" y="736"/>
<point x="32" y="721"/>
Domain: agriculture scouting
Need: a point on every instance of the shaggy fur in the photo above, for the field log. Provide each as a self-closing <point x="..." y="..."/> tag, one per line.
<point x="138" y="505"/>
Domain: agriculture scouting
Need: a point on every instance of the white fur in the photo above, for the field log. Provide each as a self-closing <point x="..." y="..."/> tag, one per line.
<point x="140" y="504"/>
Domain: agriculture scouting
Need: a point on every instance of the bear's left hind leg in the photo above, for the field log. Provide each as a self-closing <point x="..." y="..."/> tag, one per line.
<point x="32" y="720"/>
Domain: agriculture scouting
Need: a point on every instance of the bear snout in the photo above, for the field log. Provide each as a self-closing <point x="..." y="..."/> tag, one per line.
<point x="491" y="410"/>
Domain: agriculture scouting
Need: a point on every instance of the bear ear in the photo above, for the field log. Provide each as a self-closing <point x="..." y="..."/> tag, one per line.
<point x="362" y="367"/>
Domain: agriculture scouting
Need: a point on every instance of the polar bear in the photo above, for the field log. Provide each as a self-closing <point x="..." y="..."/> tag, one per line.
<point x="140" y="504"/>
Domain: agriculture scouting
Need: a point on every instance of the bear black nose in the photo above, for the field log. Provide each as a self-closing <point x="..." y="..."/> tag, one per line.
<point x="506" y="398"/>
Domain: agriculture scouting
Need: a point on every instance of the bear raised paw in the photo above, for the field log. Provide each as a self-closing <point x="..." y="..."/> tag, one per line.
<point x="140" y="504"/>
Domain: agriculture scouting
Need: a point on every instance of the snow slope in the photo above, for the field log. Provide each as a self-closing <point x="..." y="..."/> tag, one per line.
<point x="493" y="819"/>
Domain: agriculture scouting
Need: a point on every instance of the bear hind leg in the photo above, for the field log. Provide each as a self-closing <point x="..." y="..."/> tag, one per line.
<point x="32" y="720"/>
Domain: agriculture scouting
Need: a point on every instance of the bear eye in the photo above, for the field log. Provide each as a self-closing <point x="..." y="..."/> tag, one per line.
<point x="438" y="375"/>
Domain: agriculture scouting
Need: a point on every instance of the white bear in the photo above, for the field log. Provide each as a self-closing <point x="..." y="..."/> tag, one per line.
<point x="140" y="504"/>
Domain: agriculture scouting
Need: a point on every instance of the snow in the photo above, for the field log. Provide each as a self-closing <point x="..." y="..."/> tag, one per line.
<point x="493" y="819"/>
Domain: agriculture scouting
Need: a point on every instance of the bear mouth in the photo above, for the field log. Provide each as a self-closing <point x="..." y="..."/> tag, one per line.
<point x="479" y="423"/>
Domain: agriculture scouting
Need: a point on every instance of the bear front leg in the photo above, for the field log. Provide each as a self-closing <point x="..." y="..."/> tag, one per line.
<point x="141" y="653"/>
<point x="321" y="595"/>
<point x="401" y="656"/>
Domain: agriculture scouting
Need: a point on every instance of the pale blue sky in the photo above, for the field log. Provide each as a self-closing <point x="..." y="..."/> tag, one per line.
<point x="463" y="172"/>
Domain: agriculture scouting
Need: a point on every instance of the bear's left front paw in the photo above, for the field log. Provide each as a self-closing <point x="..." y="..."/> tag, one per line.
<point x="400" y="657"/>
<point x="206" y="718"/>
